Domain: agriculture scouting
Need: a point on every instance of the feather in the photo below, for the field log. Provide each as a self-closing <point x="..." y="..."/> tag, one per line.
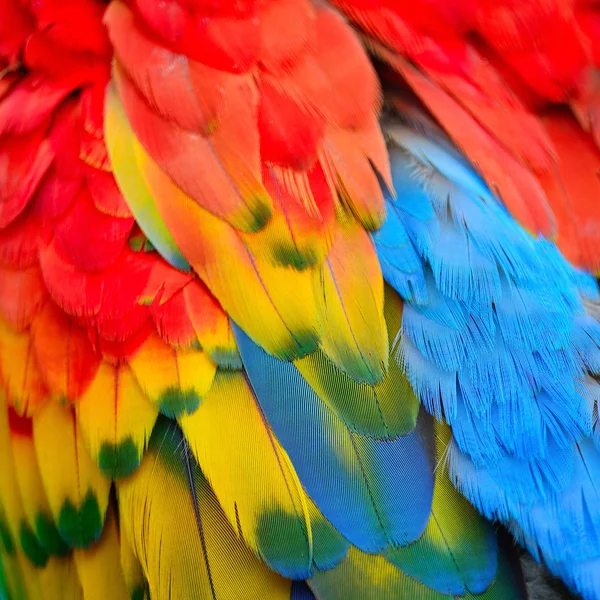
<point x="181" y="90"/>
<point x="521" y="192"/>
<point x="59" y="579"/>
<point x="352" y="481"/>
<point x="24" y="295"/>
<point x="39" y="520"/>
<point x="91" y="240"/>
<point x="171" y="319"/>
<point x="356" y="178"/>
<point x="352" y="96"/>
<point x="174" y="380"/>
<point x="105" y="193"/>
<point x="255" y="482"/>
<point x="290" y="135"/>
<point x="135" y="580"/>
<point x="283" y="297"/>
<point x="63" y="353"/>
<point x="31" y="578"/>
<point x="231" y="186"/>
<point x="12" y="505"/>
<point x="300" y="230"/>
<point x="24" y="162"/>
<point x="572" y="187"/>
<point x="116" y="419"/>
<point x="180" y="511"/>
<point x="11" y="577"/>
<point x="351" y="306"/>
<point x="123" y="148"/>
<point x="385" y="410"/>
<point x="369" y="575"/>
<point x="77" y="491"/>
<point x="457" y="552"/>
<point x="22" y="379"/>
<point x="211" y="325"/>
<point x="99" y="567"/>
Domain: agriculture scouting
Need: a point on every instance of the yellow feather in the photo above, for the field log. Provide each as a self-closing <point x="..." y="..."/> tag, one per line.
<point x="31" y="579"/>
<point x="179" y="533"/>
<point x="76" y="489"/>
<point x="251" y="475"/>
<point x="116" y="419"/>
<point x="35" y="503"/>
<point x="10" y="498"/>
<point x="385" y="410"/>
<point x="121" y="145"/>
<point x="351" y="305"/>
<point x="59" y="580"/>
<point x="175" y="380"/>
<point x="99" y="567"/>
<point x="136" y="583"/>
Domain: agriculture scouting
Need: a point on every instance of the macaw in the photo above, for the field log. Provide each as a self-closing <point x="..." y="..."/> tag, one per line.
<point x="298" y="298"/>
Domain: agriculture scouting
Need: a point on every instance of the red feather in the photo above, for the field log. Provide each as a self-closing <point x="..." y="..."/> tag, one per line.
<point x="64" y="353"/>
<point x="91" y="239"/>
<point x="23" y="294"/>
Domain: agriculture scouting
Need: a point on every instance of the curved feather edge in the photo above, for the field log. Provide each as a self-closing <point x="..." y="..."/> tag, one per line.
<point x="255" y="482"/>
<point x="384" y="410"/>
<point x="458" y="551"/>
<point x="123" y="147"/>
<point x="371" y="576"/>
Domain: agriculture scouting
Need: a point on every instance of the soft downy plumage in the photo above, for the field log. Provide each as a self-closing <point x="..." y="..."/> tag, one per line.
<point x="297" y="299"/>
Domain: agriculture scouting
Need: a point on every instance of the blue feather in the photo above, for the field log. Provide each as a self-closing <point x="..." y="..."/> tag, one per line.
<point x="499" y="349"/>
<point x="399" y="261"/>
<point x="351" y="478"/>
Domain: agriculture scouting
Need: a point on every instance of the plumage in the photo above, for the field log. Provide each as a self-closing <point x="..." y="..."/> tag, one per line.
<point x="175" y="380"/>
<point x="253" y="477"/>
<point x="298" y="300"/>
<point x="99" y="568"/>
<point x="351" y="482"/>
<point x="116" y="439"/>
<point x="77" y="491"/>
<point x="123" y="148"/>
<point x="184" y="513"/>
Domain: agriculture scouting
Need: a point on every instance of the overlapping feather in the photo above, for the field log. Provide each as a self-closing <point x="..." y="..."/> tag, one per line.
<point x="498" y="347"/>
<point x="244" y="141"/>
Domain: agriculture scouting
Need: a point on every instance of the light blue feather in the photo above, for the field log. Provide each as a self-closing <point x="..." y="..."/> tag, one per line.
<point x="499" y="348"/>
